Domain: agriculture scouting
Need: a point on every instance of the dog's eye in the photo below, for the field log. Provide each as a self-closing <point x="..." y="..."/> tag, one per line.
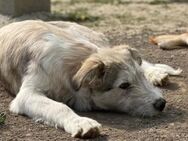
<point x="124" y="85"/>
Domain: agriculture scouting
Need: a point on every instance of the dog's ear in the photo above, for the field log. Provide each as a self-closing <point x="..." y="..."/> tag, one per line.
<point x="133" y="52"/>
<point x="90" y="74"/>
<point x="136" y="55"/>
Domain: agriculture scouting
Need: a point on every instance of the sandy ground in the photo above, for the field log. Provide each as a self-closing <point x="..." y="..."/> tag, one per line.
<point x="130" y="22"/>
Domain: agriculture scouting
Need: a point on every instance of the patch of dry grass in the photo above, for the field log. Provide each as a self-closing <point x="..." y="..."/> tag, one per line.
<point x="2" y="118"/>
<point x="154" y="2"/>
<point x="77" y="15"/>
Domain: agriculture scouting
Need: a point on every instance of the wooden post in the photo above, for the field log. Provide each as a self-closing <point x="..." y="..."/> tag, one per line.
<point x="20" y="7"/>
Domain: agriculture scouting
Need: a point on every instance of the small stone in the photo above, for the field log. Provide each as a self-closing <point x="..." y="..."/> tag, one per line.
<point x="171" y="124"/>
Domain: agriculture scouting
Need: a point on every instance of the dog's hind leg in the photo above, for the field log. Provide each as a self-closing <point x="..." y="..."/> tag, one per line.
<point x="31" y="101"/>
<point x="158" y="73"/>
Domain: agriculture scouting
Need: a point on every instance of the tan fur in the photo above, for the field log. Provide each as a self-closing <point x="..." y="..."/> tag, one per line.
<point x="13" y="59"/>
<point x="170" y="41"/>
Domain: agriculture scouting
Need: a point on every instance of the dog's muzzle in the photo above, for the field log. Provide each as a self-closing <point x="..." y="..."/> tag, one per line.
<point x="159" y="104"/>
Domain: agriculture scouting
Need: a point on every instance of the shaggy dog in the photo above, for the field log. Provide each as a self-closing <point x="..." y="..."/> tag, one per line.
<point x="54" y="67"/>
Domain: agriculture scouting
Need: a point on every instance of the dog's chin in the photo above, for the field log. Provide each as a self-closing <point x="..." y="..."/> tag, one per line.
<point x="152" y="114"/>
<point x="145" y="114"/>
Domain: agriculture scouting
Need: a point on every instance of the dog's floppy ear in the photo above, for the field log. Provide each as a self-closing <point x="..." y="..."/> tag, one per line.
<point x="90" y="74"/>
<point x="136" y="55"/>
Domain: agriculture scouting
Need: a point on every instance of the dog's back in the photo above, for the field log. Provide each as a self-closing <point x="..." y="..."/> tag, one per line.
<point x="22" y="42"/>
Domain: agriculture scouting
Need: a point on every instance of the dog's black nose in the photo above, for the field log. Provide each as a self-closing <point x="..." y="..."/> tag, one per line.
<point x="159" y="104"/>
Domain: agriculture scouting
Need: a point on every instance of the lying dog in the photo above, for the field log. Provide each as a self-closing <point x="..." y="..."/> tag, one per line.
<point x="170" y="41"/>
<point x="52" y="67"/>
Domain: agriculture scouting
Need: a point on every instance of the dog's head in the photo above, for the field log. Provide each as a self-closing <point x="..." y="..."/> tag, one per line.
<point x="117" y="82"/>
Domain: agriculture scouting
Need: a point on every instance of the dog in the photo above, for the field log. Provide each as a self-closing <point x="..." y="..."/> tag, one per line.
<point x="170" y="41"/>
<point x="53" y="68"/>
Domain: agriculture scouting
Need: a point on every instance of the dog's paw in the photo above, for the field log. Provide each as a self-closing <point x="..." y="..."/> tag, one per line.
<point x="158" y="79"/>
<point x="82" y="127"/>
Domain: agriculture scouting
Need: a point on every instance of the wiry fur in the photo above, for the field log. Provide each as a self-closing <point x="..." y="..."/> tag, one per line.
<point x="51" y="66"/>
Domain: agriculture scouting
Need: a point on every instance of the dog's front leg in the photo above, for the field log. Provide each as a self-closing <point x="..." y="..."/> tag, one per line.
<point x="33" y="103"/>
<point x="158" y="74"/>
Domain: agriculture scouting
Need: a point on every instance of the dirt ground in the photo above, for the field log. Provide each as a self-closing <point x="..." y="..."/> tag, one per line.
<point x="123" y="21"/>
